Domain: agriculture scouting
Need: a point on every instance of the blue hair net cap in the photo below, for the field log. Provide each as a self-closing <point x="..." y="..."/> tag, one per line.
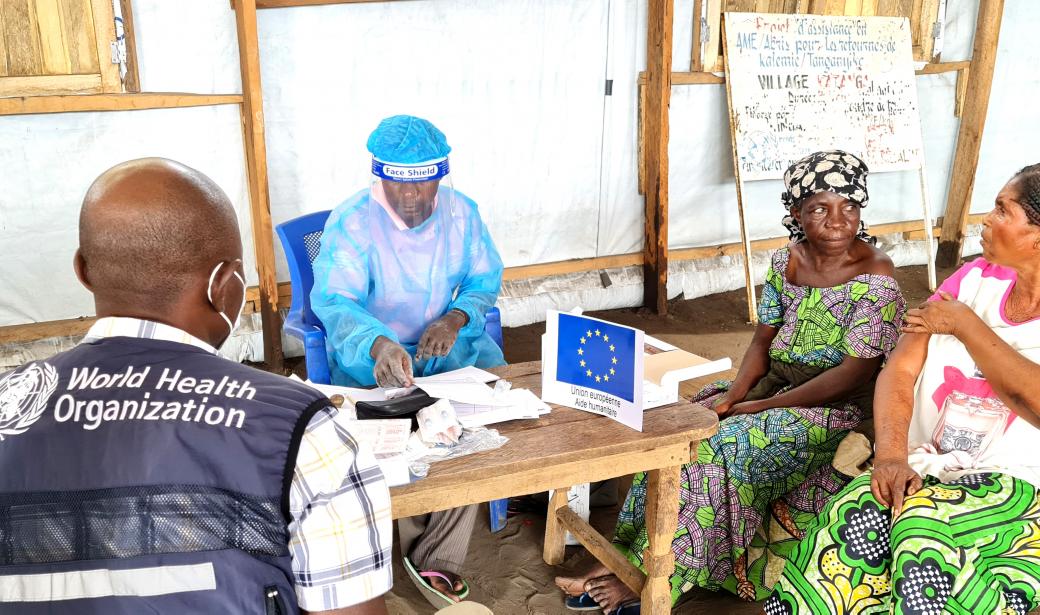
<point x="406" y="139"/>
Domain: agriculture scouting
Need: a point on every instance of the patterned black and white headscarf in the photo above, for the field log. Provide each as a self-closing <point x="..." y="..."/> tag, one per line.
<point x="832" y="171"/>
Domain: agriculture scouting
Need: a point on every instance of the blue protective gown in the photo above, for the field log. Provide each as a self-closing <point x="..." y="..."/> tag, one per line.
<point x="372" y="278"/>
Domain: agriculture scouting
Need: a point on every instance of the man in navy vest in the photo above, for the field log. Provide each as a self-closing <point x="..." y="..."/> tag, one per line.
<point x="142" y="473"/>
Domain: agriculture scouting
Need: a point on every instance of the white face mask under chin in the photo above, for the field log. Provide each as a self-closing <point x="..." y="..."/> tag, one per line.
<point x="209" y="295"/>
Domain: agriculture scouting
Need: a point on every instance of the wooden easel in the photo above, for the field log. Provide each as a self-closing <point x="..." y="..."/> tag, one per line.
<point x="927" y="221"/>
<point x="749" y="278"/>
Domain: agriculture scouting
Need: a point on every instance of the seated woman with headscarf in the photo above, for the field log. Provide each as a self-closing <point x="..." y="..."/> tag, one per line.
<point x="956" y="464"/>
<point x="830" y="312"/>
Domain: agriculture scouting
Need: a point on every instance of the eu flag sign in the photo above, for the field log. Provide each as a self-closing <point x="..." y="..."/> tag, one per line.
<point x="597" y="355"/>
<point x="593" y="365"/>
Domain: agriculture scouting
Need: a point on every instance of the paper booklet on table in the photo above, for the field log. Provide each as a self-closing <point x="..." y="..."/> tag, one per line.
<point x="475" y="403"/>
<point x="665" y="366"/>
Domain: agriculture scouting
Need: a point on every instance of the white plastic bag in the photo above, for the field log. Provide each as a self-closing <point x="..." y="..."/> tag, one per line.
<point x="578" y="501"/>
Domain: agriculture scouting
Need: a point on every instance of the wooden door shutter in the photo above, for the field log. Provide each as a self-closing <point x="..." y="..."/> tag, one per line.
<point x="57" y="47"/>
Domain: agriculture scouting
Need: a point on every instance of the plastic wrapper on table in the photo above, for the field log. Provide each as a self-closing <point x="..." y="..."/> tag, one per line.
<point x="473" y="440"/>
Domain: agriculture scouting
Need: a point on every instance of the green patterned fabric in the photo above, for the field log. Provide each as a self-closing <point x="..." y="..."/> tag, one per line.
<point x="821" y="326"/>
<point x="966" y="547"/>
<point x="744" y="475"/>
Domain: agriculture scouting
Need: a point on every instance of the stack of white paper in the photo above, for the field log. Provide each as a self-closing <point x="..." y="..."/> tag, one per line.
<point x="509" y="405"/>
<point x="475" y="403"/>
<point x="471" y="373"/>
<point x="463" y="390"/>
<point x="465" y="374"/>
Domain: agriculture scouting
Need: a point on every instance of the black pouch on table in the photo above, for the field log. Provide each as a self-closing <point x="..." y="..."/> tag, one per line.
<point x="400" y="408"/>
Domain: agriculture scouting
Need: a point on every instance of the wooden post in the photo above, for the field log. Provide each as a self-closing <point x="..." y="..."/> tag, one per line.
<point x="602" y="549"/>
<point x="696" y="63"/>
<point x="132" y="83"/>
<point x="641" y="139"/>
<point x="709" y="49"/>
<point x="555" y="532"/>
<point x="105" y="35"/>
<point x="962" y="91"/>
<point x="256" y="164"/>
<point x="662" y="517"/>
<point x="658" y="97"/>
<point x="969" y="139"/>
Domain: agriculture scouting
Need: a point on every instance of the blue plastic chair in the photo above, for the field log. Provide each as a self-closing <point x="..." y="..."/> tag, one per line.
<point x="301" y="240"/>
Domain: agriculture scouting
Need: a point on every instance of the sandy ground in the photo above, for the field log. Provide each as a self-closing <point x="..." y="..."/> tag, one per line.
<point x="505" y="570"/>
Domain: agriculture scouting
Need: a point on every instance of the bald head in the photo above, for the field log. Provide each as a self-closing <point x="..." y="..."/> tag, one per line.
<point x="150" y="232"/>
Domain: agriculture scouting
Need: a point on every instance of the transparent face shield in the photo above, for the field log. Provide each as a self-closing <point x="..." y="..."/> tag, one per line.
<point x="410" y="193"/>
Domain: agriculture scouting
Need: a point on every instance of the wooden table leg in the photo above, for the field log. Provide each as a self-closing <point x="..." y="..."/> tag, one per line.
<point x="555" y="533"/>
<point x="662" y="517"/>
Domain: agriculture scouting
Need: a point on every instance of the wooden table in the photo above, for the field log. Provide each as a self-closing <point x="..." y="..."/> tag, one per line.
<point x="569" y="447"/>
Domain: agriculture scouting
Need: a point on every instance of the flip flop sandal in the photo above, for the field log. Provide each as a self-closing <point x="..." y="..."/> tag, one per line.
<point x="583" y="602"/>
<point x="432" y="596"/>
<point x="632" y="608"/>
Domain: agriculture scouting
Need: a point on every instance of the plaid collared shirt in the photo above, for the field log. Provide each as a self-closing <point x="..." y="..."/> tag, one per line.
<point x="341" y="532"/>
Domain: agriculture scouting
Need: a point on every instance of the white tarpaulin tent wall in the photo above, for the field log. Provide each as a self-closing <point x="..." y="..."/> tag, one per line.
<point x="518" y="86"/>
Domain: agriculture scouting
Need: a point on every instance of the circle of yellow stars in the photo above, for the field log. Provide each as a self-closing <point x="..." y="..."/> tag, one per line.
<point x="589" y="336"/>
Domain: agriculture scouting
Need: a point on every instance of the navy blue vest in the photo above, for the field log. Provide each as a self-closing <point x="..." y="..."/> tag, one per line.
<point x="135" y="466"/>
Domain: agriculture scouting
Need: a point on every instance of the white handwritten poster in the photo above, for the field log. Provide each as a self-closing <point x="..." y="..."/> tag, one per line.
<point x="804" y="83"/>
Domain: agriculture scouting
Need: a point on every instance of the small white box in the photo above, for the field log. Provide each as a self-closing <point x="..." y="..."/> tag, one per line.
<point x="665" y="366"/>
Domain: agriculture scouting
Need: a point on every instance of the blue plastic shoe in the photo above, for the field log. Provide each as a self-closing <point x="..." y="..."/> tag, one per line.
<point x="583" y="602"/>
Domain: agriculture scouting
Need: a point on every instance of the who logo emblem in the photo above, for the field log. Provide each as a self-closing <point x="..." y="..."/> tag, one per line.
<point x="23" y="397"/>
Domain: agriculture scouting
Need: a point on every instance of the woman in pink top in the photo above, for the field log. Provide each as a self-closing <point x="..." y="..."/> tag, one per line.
<point x="949" y="520"/>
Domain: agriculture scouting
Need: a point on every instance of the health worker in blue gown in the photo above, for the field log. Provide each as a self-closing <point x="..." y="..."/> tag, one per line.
<point x="407" y="270"/>
<point x="405" y="276"/>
